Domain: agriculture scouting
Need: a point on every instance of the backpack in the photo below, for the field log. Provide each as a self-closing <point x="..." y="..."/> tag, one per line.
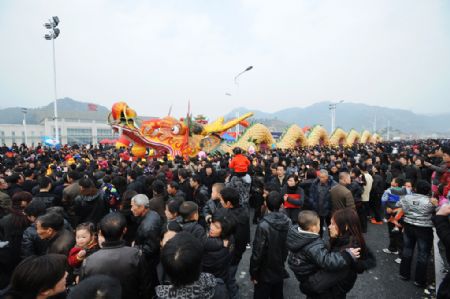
<point x="111" y="197"/>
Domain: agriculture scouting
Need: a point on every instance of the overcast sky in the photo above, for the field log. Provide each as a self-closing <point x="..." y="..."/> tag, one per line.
<point x="154" y="54"/>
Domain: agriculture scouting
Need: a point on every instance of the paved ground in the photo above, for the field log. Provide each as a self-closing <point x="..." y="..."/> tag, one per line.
<point x="380" y="282"/>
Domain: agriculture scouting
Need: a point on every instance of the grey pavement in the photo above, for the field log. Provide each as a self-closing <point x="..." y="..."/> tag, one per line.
<point x="380" y="282"/>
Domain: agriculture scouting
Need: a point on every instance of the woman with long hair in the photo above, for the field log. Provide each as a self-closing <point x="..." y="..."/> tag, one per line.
<point x="12" y="227"/>
<point x="345" y="232"/>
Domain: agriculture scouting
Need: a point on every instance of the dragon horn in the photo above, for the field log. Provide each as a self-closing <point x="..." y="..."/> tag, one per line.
<point x="218" y="126"/>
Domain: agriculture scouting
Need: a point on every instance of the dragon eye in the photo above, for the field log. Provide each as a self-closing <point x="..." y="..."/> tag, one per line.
<point x="176" y="130"/>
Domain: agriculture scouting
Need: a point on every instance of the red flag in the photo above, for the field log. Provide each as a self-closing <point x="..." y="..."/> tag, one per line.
<point x="92" y="107"/>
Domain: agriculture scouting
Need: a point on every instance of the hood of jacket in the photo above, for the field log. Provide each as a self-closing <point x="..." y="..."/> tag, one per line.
<point x="203" y="288"/>
<point x="90" y="198"/>
<point x="297" y="239"/>
<point x="278" y="221"/>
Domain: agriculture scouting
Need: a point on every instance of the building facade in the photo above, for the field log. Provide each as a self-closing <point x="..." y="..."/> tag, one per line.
<point x="70" y="132"/>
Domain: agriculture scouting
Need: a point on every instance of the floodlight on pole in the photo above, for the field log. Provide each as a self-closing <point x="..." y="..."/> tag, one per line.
<point x="24" y="111"/>
<point x="332" y="108"/>
<point x="52" y="34"/>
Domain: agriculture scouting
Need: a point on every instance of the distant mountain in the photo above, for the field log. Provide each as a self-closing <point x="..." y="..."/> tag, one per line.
<point x="67" y="109"/>
<point x="356" y="116"/>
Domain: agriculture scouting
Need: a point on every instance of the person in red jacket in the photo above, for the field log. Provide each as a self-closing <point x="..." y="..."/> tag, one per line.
<point x="239" y="163"/>
<point x="86" y="244"/>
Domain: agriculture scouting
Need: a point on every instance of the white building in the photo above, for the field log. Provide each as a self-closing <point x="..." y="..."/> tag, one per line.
<point x="70" y="131"/>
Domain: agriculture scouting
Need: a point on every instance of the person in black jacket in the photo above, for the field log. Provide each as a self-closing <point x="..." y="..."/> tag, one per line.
<point x="126" y="264"/>
<point x="89" y="206"/>
<point x="269" y="252"/>
<point x="50" y="227"/>
<point x="44" y="195"/>
<point x="442" y="224"/>
<point x="31" y="243"/>
<point x="241" y="234"/>
<point x="309" y="256"/>
<point x="189" y="213"/>
<point x="149" y="230"/>
<point x="375" y="195"/>
<point x="218" y="248"/>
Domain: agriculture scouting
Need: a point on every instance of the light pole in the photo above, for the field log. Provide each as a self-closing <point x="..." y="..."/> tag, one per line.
<point x="24" y="111"/>
<point x="238" y="75"/>
<point x="332" y="108"/>
<point x="237" y="85"/>
<point x="52" y="34"/>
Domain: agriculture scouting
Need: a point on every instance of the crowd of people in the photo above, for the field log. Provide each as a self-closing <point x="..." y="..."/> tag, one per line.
<point x="95" y="222"/>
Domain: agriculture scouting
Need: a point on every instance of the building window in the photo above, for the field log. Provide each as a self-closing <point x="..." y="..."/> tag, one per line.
<point x="106" y="133"/>
<point x="13" y="137"/>
<point x="79" y="135"/>
<point x="2" y="137"/>
<point x="23" y="136"/>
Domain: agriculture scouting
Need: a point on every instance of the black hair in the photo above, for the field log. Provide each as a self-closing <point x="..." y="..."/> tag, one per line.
<point x="273" y="201"/>
<point x="97" y="287"/>
<point x="36" y="274"/>
<point x="423" y="187"/>
<point x="400" y="181"/>
<point x="230" y="195"/>
<point x="158" y="187"/>
<point x="35" y="208"/>
<point x="74" y="175"/>
<point x="174" y="185"/>
<point x="181" y="258"/>
<point x="197" y="178"/>
<point x="183" y="173"/>
<point x="51" y="220"/>
<point x="226" y="223"/>
<point x="112" y="226"/>
<point x="311" y="173"/>
<point x="187" y="209"/>
<point x="173" y="206"/>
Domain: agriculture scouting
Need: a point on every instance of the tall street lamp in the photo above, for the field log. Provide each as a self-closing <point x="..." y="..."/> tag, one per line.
<point x="237" y="85"/>
<point x="52" y="34"/>
<point x="24" y="111"/>
<point x="332" y="108"/>
<point x="238" y="75"/>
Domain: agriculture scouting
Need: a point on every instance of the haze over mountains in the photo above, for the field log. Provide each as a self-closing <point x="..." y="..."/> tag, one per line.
<point x="348" y="116"/>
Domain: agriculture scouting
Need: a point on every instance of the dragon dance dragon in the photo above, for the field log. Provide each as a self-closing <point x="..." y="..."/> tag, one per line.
<point x="187" y="137"/>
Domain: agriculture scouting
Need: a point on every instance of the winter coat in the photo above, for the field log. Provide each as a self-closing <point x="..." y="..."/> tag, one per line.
<point x="296" y="197"/>
<point x="306" y="186"/>
<point x="61" y="243"/>
<point x="158" y="204"/>
<point x="241" y="234"/>
<point x="200" y="197"/>
<point x="242" y="185"/>
<point x="341" y="198"/>
<point x="356" y="189"/>
<point x="269" y="250"/>
<point x="148" y="236"/>
<point x="211" y="207"/>
<point x="31" y="243"/>
<point x="418" y="209"/>
<point x="195" y="229"/>
<point x="216" y="258"/>
<point x="322" y="208"/>
<point x="124" y="263"/>
<point x="443" y="231"/>
<point x="308" y="254"/>
<point x="46" y="197"/>
<point x="90" y="208"/>
<point x="239" y="163"/>
<point x="206" y="287"/>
